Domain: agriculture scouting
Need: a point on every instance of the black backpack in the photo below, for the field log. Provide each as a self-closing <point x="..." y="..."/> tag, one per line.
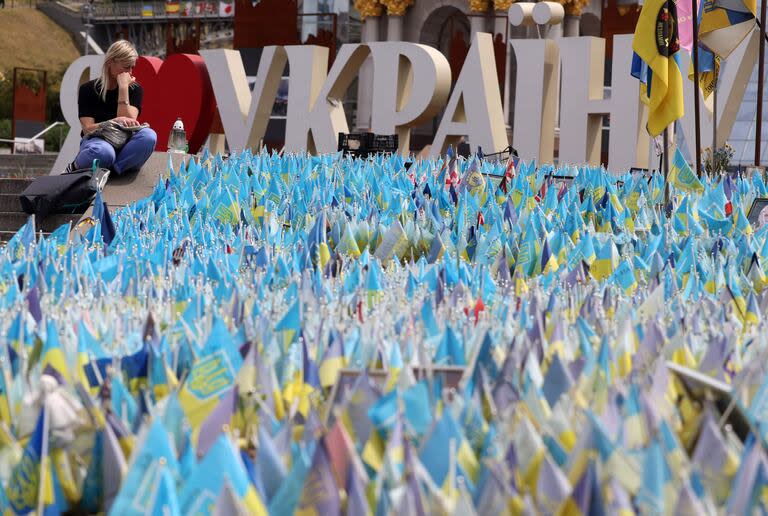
<point x="66" y="193"/>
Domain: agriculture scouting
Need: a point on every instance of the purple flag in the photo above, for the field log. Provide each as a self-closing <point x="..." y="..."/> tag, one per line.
<point x="320" y="492"/>
<point x="212" y="426"/>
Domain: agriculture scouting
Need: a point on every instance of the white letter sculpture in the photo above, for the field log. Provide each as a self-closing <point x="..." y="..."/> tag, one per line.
<point x="70" y="84"/>
<point x="411" y="85"/>
<point x="582" y="105"/>
<point x="244" y="115"/>
<point x="474" y="108"/>
<point x="315" y="109"/>
<point x="538" y="75"/>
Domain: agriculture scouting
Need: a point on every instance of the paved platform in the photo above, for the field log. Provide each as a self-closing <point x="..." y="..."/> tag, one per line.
<point x="128" y="188"/>
<point x="125" y="189"/>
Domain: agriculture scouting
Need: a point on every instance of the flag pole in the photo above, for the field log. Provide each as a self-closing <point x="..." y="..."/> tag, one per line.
<point x="695" y="34"/>
<point x="760" y="82"/>
<point x="714" y="116"/>
<point x="665" y="153"/>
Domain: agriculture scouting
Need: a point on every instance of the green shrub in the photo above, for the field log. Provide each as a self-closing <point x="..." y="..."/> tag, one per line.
<point x="5" y="131"/>
<point x="54" y="138"/>
<point x="52" y="108"/>
<point x="6" y="97"/>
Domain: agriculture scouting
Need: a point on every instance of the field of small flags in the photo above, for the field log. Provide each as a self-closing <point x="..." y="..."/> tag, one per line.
<point x="279" y="334"/>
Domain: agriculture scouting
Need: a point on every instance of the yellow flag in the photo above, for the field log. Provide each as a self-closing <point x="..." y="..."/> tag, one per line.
<point x="724" y="24"/>
<point x="708" y="73"/>
<point x="656" y="42"/>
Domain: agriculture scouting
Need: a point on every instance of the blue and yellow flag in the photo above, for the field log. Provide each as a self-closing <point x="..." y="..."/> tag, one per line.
<point x="657" y="44"/>
<point x="161" y="377"/>
<point x="32" y="475"/>
<point x="290" y="324"/>
<point x="53" y="358"/>
<point x="709" y="70"/>
<point x="6" y="383"/>
<point x="92" y="361"/>
<point x="333" y="361"/>
<point x="725" y="23"/>
<point x="211" y="376"/>
<point x="681" y="176"/>
<point x="138" y="489"/>
<point x="220" y="465"/>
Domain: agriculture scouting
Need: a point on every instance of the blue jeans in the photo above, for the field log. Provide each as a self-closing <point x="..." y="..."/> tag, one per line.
<point x="131" y="157"/>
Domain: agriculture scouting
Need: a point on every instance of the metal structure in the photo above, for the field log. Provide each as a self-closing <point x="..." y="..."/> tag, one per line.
<point x="760" y="83"/>
<point x="137" y="12"/>
<point x="87" y="14"/>
<point x="325" y="31"/>
<point x="151" y="25"/>
<point x="278" y="22"/>
<point x="34" y="137"/>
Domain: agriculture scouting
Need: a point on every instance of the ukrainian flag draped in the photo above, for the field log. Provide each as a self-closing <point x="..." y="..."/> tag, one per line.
<point x="657" y="66"/>
<point x="709" y="70"/>
<point x="725" y="23"/>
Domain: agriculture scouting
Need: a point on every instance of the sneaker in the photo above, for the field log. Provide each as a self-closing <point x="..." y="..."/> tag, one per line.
<point x="71" y="167"/>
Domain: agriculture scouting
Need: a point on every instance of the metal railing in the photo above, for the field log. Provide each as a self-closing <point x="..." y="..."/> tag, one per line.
<point x="19" y="139"/>
<point x="157" y="11"/>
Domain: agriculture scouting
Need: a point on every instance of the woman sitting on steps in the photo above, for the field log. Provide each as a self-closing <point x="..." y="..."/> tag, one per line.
<point x="114" y="96"/>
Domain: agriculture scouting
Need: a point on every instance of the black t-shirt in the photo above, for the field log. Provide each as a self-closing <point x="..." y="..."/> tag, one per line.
<point x="90" y="104"/>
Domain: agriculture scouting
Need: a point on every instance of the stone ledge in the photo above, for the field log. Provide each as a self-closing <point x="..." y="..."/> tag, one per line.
<point x="125" y="189"/>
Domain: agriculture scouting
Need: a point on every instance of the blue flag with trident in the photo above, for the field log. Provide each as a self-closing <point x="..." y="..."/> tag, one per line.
<point x="682" y="177"/>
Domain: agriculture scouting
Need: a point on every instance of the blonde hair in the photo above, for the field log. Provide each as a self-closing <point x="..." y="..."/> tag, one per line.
<point x="121" y="51"/>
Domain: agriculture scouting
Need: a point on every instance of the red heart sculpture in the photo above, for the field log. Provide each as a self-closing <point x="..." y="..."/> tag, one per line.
<point x="178" y="87"/>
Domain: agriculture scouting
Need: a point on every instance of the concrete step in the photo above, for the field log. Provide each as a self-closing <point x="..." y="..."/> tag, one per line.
<point x="46" y="158"/>
<point x="28" y="160"/>
<point x="10" y="203"/>
<point x="11" y="221"/>
<point x="26" y="165"/>
<point x="14" y="185"/>
<point x="9" y="173"/>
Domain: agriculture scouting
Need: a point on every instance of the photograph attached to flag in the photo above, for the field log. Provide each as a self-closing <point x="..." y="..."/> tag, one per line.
<point x="657" y="45"/>
<point x="725" y="23"/>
